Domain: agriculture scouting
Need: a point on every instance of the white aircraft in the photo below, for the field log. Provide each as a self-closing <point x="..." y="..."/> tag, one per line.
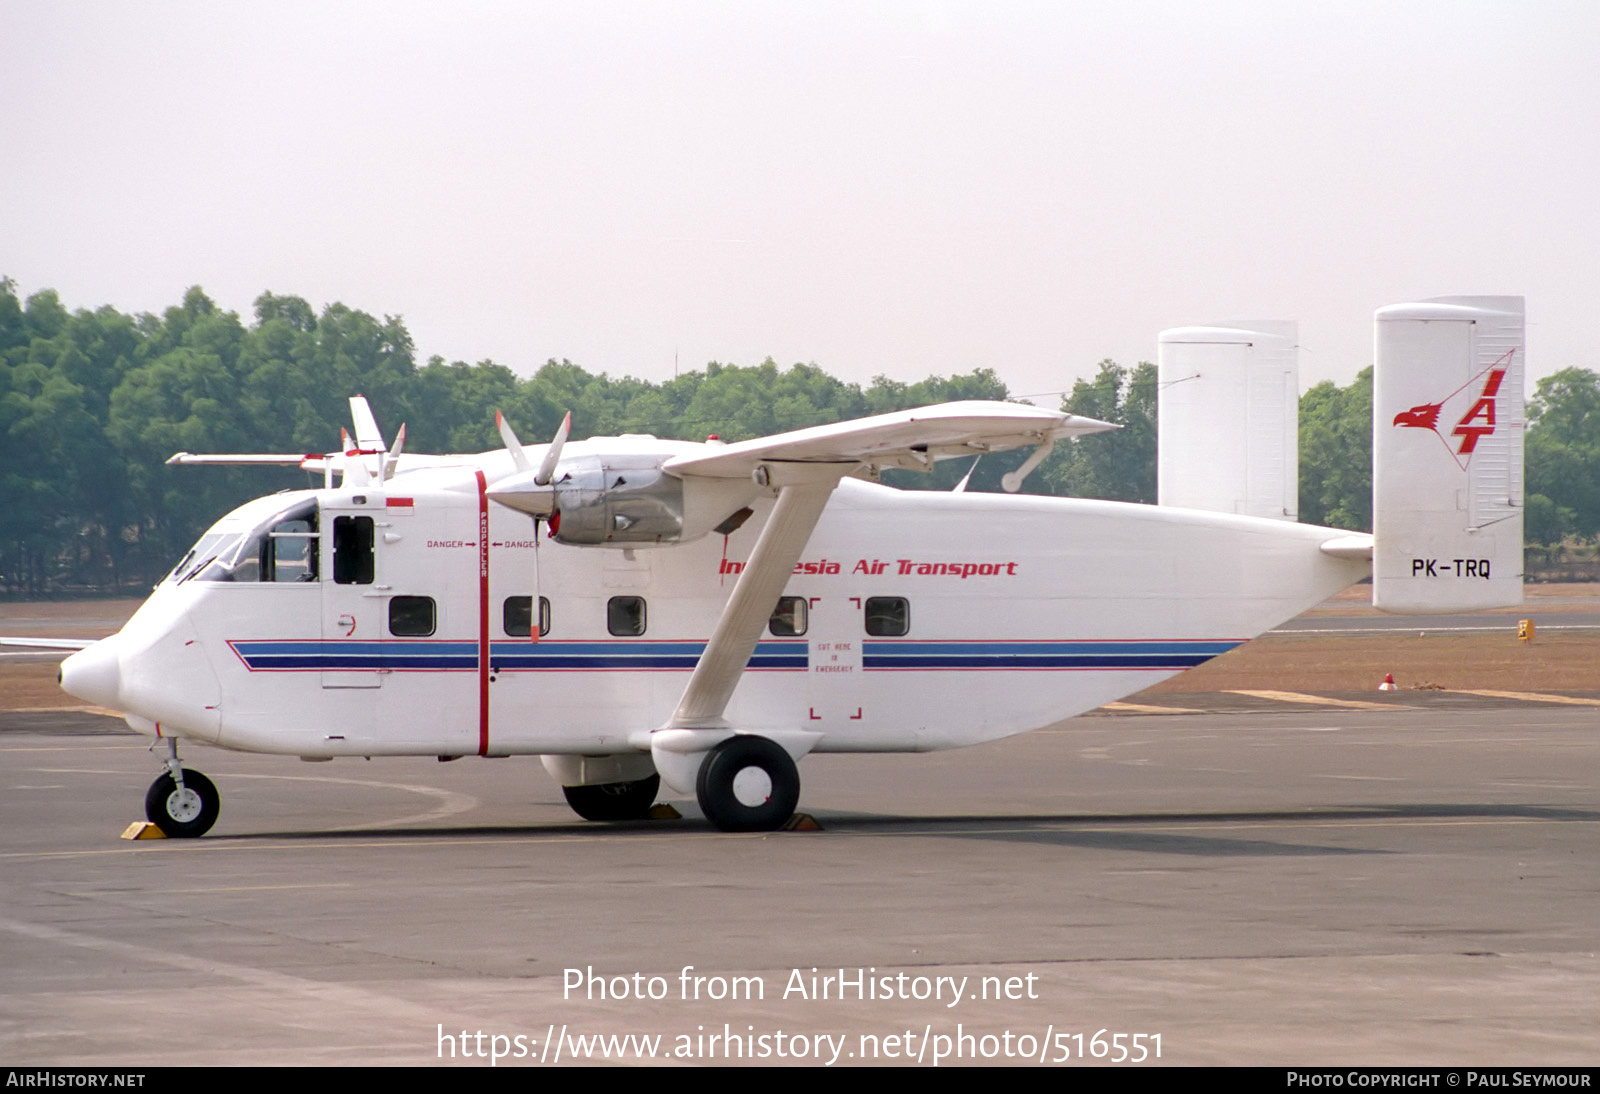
<point x="636" y="610"/>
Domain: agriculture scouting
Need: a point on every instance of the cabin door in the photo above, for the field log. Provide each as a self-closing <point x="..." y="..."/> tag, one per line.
<point x="352" y="602"/>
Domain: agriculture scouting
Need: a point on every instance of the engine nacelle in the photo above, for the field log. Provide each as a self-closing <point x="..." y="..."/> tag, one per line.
<point x="627" y="500"/>
<point x="616" y="499"/>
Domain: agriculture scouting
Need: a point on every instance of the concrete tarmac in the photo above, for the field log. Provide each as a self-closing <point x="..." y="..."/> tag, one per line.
<point x="1415" y="885"/>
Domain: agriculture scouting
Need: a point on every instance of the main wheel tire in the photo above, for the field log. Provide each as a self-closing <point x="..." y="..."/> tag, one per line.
<point x="748" y="784"/>
<point x="186" y="813"/>
<point x="614" y="801"/>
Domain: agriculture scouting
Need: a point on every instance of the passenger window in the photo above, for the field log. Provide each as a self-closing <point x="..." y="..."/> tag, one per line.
<point x="888" y="616"/>
<point x="625" y="616"/>
<point x="788" y="618"/>
<point x="412" y="616"/>
<point x="516" y="616"/>
<point x="352" y="550"/>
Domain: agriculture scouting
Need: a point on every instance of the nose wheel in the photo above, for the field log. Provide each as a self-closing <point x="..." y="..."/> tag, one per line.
<point x="614" y="801"/>
<point x="183" y="804"/>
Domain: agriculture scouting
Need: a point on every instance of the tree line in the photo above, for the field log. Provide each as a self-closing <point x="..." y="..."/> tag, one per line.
<point x="93" y="402"/>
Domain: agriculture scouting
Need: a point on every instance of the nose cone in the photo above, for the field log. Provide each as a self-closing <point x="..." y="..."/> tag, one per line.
<point x="94" y="674"/>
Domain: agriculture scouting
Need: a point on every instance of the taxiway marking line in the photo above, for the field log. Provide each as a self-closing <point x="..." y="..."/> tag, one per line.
<point x="1146" y="708"/>
<point x="1528" y="696"/>
<point x="1317" y="700"/>
<point x="214" y="845"/>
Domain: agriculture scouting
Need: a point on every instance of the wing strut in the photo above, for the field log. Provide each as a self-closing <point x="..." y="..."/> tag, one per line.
<point x="803" y="492"/>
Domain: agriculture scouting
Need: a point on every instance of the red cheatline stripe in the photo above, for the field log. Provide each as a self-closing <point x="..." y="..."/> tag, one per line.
<point x="483" y="615"/>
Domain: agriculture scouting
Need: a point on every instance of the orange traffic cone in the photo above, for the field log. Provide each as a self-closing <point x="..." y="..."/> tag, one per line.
<point x="1388" y="683"/>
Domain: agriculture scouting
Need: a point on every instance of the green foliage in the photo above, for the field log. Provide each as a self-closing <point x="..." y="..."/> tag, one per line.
<point x="1336" y="454"/>
<point x="1563" y="457"/>
<point x="1119" y="466"/>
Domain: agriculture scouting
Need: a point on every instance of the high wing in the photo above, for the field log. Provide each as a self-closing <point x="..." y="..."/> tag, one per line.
<point x="910" y="439"/>
<point x="349" y="459"/>
<point x="802" y="468"/>
<point x="51" y="643"/>
<point x="284" y="459"/>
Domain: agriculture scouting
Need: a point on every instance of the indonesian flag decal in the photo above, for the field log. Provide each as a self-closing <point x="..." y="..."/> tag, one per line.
<point x="1478" y="418"/>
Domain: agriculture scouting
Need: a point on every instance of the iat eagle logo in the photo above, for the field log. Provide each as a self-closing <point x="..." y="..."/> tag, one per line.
<point x="1481" y="417"/>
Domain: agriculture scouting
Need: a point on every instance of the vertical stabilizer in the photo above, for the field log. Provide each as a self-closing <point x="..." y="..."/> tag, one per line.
<point x="1228" y="419"/>
<point x="1447" y="424"/>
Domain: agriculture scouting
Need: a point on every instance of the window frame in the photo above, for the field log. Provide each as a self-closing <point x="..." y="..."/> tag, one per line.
<point x="613" y="605"/>
<point x="800" y="610"/>
<point x="871" y="617"/>
<point x="527" y="632"/>
<point x="433" y="616"/>
<point x="354" y="550"/>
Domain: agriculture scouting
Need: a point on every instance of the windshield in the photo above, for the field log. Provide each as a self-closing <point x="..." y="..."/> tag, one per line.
<point x="270" y="539"/>
<point x="210" y="546"/>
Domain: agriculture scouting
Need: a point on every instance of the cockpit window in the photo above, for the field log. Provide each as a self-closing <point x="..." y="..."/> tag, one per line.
<point x="281" y="549"/>
<point x="201" y="553"/>
<point x="292" y="553"/>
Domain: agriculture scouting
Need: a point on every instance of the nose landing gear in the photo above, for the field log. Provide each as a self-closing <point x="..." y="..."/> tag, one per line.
<point x="183" y="804"/>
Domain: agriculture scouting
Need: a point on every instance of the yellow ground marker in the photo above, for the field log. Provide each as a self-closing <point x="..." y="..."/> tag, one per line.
<point x="1146" y="708"/>
<point x="143" y="830"/>
<point x="1529" y="696"/>
<point x="1317" y="700"/>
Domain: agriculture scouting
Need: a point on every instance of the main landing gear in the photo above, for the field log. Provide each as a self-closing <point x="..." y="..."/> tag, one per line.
<point x="183" y="804"/>
<point x="748" y="784"/>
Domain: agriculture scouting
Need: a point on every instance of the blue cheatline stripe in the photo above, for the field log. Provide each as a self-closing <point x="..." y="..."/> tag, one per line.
<point x="546" y="654"/>
<point x="521" y="655"/>
<point x="1041" y="655"/>
<point x="342" y="654"/>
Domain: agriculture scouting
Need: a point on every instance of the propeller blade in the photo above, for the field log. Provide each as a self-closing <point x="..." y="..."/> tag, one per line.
<point x="353" y="466"/>
<point x="392" y="464"/>
<point x="529" y="491"/>
<point x="552" y="455"/>
<point x="367" y="432"/>
<point x="513" y="446"/>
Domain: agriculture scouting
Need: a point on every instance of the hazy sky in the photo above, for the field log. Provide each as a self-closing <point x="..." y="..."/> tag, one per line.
<point x="901" y="187"/>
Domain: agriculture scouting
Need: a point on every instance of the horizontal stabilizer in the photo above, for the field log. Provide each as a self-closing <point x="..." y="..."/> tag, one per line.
<point x="1357" y="547"/>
